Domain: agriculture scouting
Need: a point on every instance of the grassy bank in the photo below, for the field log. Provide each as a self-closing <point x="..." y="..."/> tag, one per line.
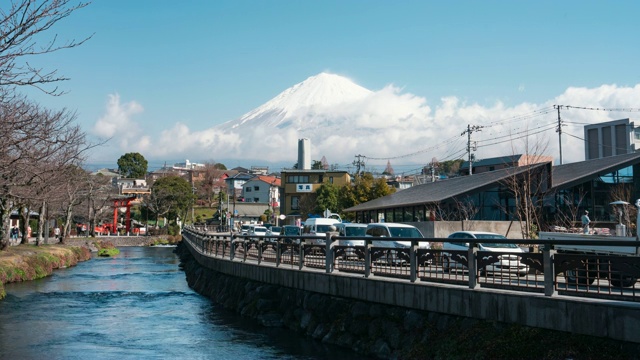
<point x="29" y="262"/>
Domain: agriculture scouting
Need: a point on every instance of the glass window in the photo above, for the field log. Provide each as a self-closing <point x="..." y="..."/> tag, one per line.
<point x="294" y="203"/>
<point x="247" y="189"/>
<point x="256" y="188"/>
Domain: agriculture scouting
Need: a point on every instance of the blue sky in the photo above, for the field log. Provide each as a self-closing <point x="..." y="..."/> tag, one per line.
<point x="202" y="63"/>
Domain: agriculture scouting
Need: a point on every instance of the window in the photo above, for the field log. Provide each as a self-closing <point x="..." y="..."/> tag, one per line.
<point x="256" y="188"/>
<point x="331" y="179"/>
<point x="294" y="203"/>
<point x="256" y="200"/>
<point x="247" y="189"/>
<point x="297" y="179"/>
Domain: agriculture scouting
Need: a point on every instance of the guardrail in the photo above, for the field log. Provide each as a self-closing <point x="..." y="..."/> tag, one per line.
<point x="549" y="271"/>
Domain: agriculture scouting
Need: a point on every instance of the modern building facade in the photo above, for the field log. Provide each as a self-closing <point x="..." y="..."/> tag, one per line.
<point x="563" y="192"/>
<point x="611" y="138"/>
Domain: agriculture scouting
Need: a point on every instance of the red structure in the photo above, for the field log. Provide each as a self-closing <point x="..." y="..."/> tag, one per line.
<point x="117" y="204"/>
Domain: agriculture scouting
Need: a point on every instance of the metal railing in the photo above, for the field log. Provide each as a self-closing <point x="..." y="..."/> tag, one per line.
<point x="548" y="271"/>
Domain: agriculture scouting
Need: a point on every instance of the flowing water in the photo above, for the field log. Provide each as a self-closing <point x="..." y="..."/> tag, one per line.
<point x="135" y="306"/>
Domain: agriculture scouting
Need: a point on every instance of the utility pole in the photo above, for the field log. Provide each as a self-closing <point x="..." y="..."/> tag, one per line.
<point x="358" y="163"/>
<point x="471" y="147"/>
<point x="432" y="168"/>
<point x="559" y="131"/>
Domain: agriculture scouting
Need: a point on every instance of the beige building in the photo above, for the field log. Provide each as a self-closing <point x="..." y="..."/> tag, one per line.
<point x="296" y="183"/>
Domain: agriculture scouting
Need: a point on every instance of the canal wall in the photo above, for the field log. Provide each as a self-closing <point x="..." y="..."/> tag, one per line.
<point x="396" y="319"/>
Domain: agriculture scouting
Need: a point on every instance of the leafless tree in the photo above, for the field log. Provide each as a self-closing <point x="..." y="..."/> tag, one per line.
<point x="33" y="140"/>
<point x="37" y="144"/>
<point x="24" y="26"/>
<point x="528" y="185"/>
<point x="568" y="214"/>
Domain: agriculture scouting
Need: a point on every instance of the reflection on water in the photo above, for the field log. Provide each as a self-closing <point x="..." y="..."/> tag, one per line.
<point x="136" y="305"/>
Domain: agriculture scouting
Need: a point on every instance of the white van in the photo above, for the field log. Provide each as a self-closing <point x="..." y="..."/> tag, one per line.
<point x="319" y="227"/>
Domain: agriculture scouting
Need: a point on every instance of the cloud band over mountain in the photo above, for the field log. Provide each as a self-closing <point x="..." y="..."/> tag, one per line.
<point x="343" y="119"/>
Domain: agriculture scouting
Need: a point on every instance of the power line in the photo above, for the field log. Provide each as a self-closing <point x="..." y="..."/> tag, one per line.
<point x="601" y="109"/>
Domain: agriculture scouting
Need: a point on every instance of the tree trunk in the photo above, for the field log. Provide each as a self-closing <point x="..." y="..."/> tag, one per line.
<point x="5" y="224"/>
<point x="40" y="238"/>
<point x="24" y="213"/>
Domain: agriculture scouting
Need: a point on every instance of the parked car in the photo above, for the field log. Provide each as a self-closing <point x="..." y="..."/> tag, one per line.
<point x="394" y="230"/>
<point x="255" y="231"/>
<point x="291" y="230"/>
<point x="351" y="230"/>
<point x="273" y="231"/>
<point x="507" y="263"/>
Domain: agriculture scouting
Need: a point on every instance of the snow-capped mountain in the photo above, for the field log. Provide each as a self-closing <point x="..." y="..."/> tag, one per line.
<point x="306" y="105"/>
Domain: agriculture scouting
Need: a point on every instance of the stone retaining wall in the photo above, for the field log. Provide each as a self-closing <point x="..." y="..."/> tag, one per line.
<point x="374" y="328"/>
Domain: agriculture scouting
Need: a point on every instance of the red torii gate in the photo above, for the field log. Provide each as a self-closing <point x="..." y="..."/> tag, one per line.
<point x="117" y="204"/>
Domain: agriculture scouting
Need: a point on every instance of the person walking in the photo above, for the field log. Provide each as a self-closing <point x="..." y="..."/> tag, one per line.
<point x="14" y="233"/>
<point x="56" y="233"/>
<point x="585" y="222"/>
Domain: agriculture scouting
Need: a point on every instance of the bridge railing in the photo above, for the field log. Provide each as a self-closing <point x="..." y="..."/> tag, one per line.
<point x="547" y="272"/>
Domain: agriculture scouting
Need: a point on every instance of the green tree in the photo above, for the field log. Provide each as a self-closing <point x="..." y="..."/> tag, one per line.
<point x="317" y="165"/>
<point x="171" y="196"/>
<point x="327" y="197"/>
<point x="365" y="188"/>
<point x="132" y="166"/>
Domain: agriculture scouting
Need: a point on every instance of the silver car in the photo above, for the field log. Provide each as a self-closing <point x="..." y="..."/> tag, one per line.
<point x="508" y="260"/>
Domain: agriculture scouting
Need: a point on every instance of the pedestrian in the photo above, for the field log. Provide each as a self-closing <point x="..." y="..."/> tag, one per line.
<point x="14" y="233"/>
<point x="585" y="222"/>
<point x="56" y="233"/>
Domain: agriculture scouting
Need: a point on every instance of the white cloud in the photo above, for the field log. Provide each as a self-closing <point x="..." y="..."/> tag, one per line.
<point x="387" y="124"/>
<point x="118" y="118"/>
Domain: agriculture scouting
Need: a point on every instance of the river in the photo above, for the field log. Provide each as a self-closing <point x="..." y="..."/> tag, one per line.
<point x="135" y="306"/>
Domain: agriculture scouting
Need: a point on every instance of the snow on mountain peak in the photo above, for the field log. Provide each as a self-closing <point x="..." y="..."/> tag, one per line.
<point x="324" y="90"/>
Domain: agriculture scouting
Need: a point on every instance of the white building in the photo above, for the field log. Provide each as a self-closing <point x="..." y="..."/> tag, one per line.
<point x="262" y="189"/>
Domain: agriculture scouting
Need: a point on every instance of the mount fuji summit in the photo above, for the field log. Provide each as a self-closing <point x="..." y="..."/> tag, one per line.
<point x="340" y="118"/>
<point x="312" y="104"/>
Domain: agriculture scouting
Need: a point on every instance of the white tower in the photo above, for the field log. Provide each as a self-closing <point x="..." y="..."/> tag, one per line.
<point x="304" y="154"/>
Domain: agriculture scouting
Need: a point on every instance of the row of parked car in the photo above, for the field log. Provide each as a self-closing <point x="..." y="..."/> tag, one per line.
<point x="388" y="231"/>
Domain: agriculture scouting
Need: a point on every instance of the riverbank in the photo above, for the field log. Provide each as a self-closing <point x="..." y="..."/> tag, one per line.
<point x="30" y="262"/>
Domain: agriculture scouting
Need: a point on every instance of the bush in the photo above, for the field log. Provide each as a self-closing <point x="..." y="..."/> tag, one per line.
<point x="174" y="229"/>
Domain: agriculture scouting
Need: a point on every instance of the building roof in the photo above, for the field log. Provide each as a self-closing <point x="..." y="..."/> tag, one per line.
<point x="433" y="192"/>
<point x="493" y="161"/>
<point x="562" y="177"/>
<point x="271" y="180"/>
<point x="248" y="209"/>
<point x="568" y="175"/>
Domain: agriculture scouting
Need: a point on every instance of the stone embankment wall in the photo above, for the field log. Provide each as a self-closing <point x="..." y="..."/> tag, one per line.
<point x="386" y="331"/>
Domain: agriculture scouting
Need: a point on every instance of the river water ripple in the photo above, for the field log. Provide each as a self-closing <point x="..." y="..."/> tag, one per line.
<point x="135" y="306"/>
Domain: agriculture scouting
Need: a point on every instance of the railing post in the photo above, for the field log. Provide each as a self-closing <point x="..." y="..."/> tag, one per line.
<point x="549" y="273"/>
<point x="232" y="253"/>
<point x="328" y="259"/>
<point x="278" y="252"/>
<point x="473" y="266"/>
<point x="413" y="261"/>
<point x="367" y="258"/>
<point x="301" y="254"/>
<point x="259" y="251"/>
